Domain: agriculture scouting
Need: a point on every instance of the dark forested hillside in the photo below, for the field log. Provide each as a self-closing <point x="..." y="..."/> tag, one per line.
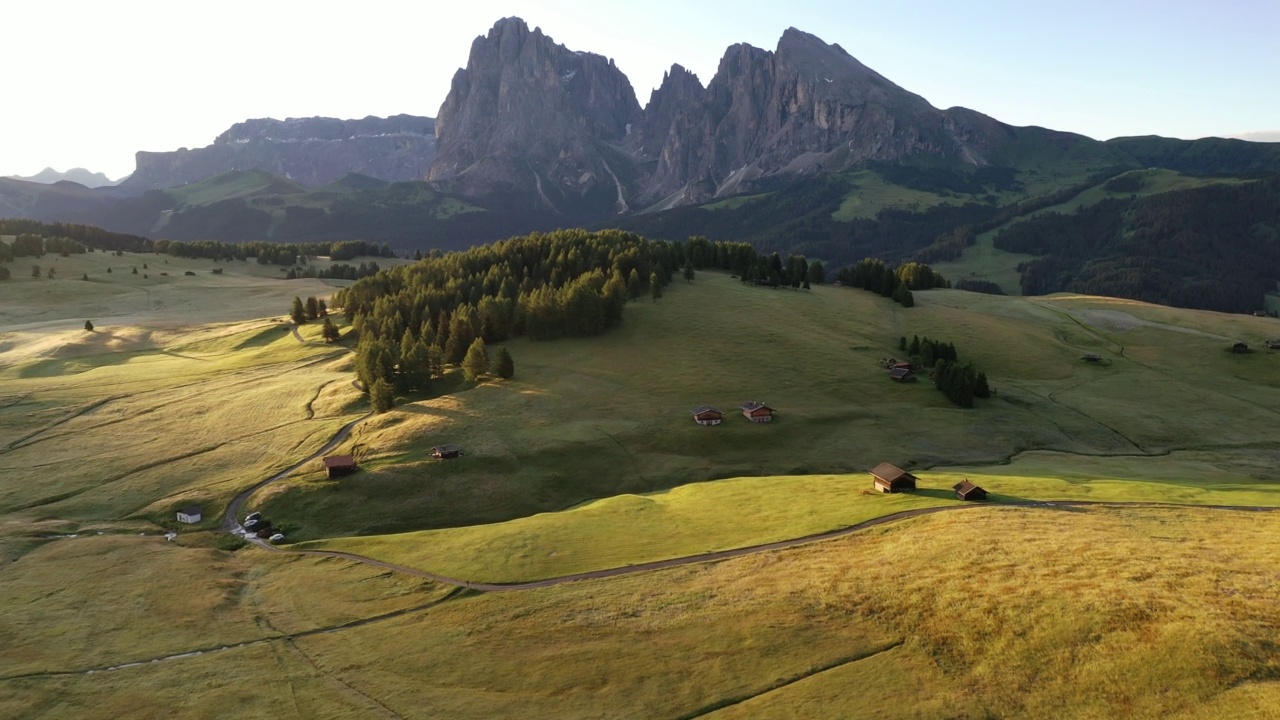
<point x="1216" y="247"/>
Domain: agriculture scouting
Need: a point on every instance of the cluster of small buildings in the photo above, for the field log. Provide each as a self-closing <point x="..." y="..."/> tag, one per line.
<point x="892" y="479"/>
<point x="899" y="370"/>
<point x="755" y="411"/>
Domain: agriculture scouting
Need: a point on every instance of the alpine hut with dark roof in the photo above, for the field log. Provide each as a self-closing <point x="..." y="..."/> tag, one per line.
<point x="966" y="490"/>
<point x="893" y="479"/>
<point x="339" y="465"/>
<point x="756" y="412"/>
<point x="707" y="415"/>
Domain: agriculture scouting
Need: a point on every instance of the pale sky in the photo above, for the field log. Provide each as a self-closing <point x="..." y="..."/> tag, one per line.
<point x="89" y="83"/>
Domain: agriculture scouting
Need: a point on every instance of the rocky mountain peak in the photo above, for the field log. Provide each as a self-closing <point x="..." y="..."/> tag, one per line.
<point x="528" y="110"/>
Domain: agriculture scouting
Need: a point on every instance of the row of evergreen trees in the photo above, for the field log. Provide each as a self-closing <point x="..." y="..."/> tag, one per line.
<point x="36" y="245"/>
<point x="960" y="382"/>
<point x="87" y="235"/>
<point x="874" y="275"/>
<point x="271" y="253"/>
<point x="414" y="320"/>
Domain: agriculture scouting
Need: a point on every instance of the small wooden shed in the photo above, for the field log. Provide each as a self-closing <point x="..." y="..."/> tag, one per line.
<point x="444" y="452"/>
<point x="899" y="374"/>
<point x="966" y="490"/>
<point x="189" y="515"/>
<point x="1240" y="347"/>
<point x="707" y="415"/>
<point x="339" y="465"/>
<point x="893" y="479"/>
<point x="756" y="412"/>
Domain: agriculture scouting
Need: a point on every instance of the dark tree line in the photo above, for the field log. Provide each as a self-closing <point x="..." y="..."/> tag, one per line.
<point x="87" y="235"/>
<point x="960" y="382"/>
<point x="1214" y="248"/>
<point x="414" y="320"/>
<point x="337" y="271"/>
<point x="874" y="275"/>
<point x="271" y="253"/>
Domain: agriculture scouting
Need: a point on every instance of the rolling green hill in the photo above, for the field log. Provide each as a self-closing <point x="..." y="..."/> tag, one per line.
<point x="589" y="457"/>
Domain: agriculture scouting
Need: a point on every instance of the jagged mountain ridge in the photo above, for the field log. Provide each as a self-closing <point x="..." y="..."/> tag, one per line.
<point x="311" y="151"/>
<point x="527" y="115"/>
<point x="563" y="127"/>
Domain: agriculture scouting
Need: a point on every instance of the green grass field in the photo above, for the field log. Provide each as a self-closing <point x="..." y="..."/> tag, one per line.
<point x="588" y="459"/>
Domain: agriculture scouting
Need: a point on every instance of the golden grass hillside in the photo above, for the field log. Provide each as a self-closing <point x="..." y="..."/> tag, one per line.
<point x="994" y="612"/>
<point x="608" y="416"/>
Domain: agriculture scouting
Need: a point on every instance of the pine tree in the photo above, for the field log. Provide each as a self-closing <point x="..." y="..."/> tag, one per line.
<point x="980" y="387"/>
<point x="88" y="325"/>
<point x="381" y="396"/>
<point x="330" y="332"/>
<point x="915" y="345"/>
<point x="655" y="286"/>
<point x="902" y="343"/>
<point x="312" y="308"/>
<point x="322" y="310"/>
<point x="688" y="271"/>
<point x="503" y="366"/>
<point x="476" y="363"/>
<point x="633" y="285"/>
<point x="85" y="276"/>
<point x="298" y="313"/>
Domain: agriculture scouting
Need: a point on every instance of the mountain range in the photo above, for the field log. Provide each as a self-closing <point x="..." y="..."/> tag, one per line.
<point x="801" y="148"/>
<point x="49" y="176"/>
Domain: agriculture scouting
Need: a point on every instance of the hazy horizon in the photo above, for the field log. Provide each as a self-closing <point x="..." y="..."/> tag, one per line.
<point x="179" y="78"/>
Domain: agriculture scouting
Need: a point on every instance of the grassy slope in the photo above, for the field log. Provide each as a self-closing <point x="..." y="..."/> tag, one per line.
<point x="990" y="613"/>
<point x="994" y="611"/>
<point x="614" y="419"/>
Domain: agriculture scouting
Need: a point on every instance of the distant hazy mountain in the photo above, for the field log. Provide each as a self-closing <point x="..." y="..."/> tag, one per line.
<point x="49" y="176"/>
<point x="311" y="151"/>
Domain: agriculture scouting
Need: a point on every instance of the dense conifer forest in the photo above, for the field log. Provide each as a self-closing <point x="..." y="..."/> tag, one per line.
<point x="1214" y="248"/>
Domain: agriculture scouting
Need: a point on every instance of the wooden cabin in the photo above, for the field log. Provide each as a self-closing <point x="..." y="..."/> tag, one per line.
<point x="966" y="490"/>
<point x="1091" y="357"/>
<point x="443" y="452"/>
<point x="756" y="412"/>
<point x="707" y="415"/>
<point x="902" y="375"/>
<point x="339" y="465"/>
<point x="189" y="515"/>
<point x="893" y="479"/>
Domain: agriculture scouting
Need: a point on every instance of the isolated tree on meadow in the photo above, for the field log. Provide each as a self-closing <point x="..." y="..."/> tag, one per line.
<point x="503" y="366"/>
<point x="330" y="332"/>
<point x="135" y="271"/>
<point x="49" y="273"/>
<point x="476" y="363"/>
<point x="108" y="269"/>
<point x="85" y="276"/>
<point x="88" y="325"/>
<point x="312" y="308"/>
<point x="322" y="310"/>
<point x="35" y="271"/>
<point x="688" y="271"/>
<point x="4" y="273"/>
<point x="655" y="286"/>
<point x="381" y="396"/>
<point x="298" y="313"/>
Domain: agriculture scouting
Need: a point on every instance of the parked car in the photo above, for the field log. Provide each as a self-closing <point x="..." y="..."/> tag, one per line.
<point x="253" y="516"/>
<point x="252" y="523"/>
<point x="278" y="537"/>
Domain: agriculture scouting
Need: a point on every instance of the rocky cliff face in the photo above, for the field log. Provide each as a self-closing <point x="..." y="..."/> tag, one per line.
<point x="530" y="117"/>
<point x="312" y="151"/>
<point x="528" y="112"/>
